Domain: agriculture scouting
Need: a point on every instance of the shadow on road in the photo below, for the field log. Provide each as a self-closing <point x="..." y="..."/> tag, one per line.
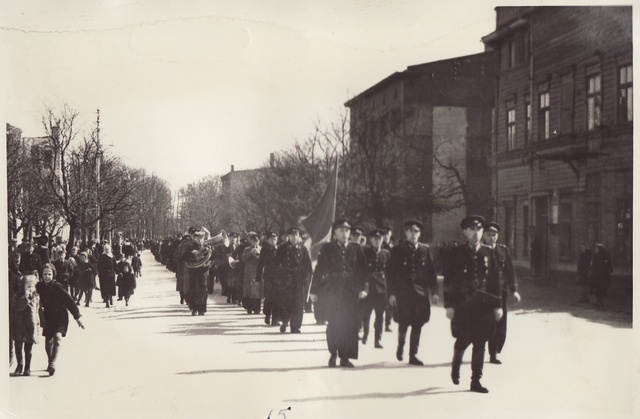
<point x="431" y="391"/>
<point x="364" y="367"/>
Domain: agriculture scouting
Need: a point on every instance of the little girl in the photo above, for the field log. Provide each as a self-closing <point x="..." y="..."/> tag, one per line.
<point x="24" y="322"/>
<point x="126" y="280"/>
<point x="55" y="303"/>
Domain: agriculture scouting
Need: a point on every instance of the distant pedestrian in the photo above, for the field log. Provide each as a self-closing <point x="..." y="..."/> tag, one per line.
<point x="601" y="270"/>
<point x="24" y="322"/>
<point x="64" y="268"/>
<point x="126" y="281"/>
<point x="85" y="280"/>
<point x="584" y="265"/>
<point x="136" y="264"/>
<point x="55" y="303"/>
<point x="107" y="275"/>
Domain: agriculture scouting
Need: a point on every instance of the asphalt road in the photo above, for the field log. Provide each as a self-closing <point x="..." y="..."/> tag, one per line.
<point x="154" y="360"/>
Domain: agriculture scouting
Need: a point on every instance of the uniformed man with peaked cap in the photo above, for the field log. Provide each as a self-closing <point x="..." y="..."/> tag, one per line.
<point x="472" y="299"/>
<point x="508" y="284"/>
<point x="294" y="271"/>
<point x="377" y="259"/>
<point x="338" y="284"/>
<point x="411" y="281"/>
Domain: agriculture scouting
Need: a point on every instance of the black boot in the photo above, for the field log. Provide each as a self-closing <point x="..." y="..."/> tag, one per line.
<point x="455" y="365"/>
<point x="477" y="363"/>
<point x="402" y="337"/>
<point x="365" y="336"/>
<point x="414" y="342"/>
<point x="27" y="364"/>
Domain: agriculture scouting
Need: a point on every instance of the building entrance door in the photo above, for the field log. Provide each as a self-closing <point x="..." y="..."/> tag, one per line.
<point x="540" y="242"/>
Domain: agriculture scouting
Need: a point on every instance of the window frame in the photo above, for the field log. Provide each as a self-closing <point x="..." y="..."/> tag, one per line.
<point x="544" y="112"/>
<point x="510" y="107"/>
<point x="625" y="115"/>
<point x="594" y="100"/>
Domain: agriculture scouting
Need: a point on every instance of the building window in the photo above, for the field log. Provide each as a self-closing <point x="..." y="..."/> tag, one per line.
<point x="625" y="94"/>
<point x="527" y="121"/>
<point x="564" y="227"/>
<point x="511" y="125"/>
<point x="517" y="49"/>
<point x="594" y="101"/>
<point x="544" y="112"/>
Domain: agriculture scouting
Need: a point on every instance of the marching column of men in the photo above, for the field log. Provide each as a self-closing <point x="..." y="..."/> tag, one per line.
<point x="351" y="281"/>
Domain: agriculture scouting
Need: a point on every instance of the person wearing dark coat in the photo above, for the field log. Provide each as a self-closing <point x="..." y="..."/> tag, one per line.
<point x="584" y="265"/>
<point x="14" y="286"/>
<point x="294" y="270"/>
<point x="508" y="284"/>
<point x="601" y="270"/>
<point x="126" y="281"/>
<point x="339" y="280"/>
<point x="253" y="290"/>
<point x="42" y="250"/>
<point x="107" y="275"/>
<point x="387" y="244"/>
<point x="24" y="322"/>
<point x="136" y="265"/>
<point x="55" y="302"/>
<point x="64" y="268"/>
<point x="472" y="298"/>
<point x="267" y="272"/>
<point x="30" y="262"/>
<point x="85" y="279"/>
<point x="181" y="268"/>
<point x="411" y="278"/>
<point x="376" y="286"/>
<point x="196" y="274"/>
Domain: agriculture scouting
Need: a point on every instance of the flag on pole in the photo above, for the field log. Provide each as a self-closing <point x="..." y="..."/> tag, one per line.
<point x="318" y="223"/>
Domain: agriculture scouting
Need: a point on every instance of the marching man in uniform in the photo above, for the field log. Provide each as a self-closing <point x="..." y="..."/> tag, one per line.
<point x="508" y="284"/>
<point x="339" y="282"/>
<point x="411" y="277"/>
<point x="377" y="259"/>
<point x="472" y="299"/>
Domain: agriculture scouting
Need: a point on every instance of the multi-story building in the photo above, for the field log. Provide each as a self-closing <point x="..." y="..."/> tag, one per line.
<point x="440" y="112"/>
<point x="563" y="144"/>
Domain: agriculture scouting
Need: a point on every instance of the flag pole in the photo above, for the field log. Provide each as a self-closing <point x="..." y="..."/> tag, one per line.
<point x="333" y="217"/>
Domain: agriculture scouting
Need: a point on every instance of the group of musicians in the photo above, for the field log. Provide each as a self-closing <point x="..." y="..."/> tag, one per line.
<point x="350" y="281"/>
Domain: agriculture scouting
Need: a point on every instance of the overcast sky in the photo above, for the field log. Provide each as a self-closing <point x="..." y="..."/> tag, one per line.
<point x="185" y="89"/>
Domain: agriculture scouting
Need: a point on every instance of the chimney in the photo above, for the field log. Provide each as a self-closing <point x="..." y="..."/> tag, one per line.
<point x="232" y="168"/>
<point x="272" y="159"/>
<point x="55" y="132"/>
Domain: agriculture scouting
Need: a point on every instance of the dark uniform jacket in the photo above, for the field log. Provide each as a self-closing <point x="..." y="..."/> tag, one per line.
<point x="376" y="279"/>
<point x="341" y="270"/>
<point x="469" y="273"/>
<point x="29" y="263"/>
<point x="506" y="272"/>
<point x="267" y="262"/>
<point x="294" y="264"/>
<point x="411" y="271"/>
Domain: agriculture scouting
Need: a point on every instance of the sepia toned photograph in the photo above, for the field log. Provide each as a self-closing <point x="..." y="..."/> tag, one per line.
<point x="318" y="209"/>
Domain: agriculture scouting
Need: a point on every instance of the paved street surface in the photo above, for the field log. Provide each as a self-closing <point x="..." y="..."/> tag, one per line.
<point x="154" y="360"/>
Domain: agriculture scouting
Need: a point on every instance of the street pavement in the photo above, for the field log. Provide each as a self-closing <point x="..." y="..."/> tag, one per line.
<point x="153" y="359"/>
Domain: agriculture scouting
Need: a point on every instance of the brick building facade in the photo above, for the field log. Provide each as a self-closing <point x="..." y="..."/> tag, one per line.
<point x="563" y="138"/>
<point x="442" y="110"/>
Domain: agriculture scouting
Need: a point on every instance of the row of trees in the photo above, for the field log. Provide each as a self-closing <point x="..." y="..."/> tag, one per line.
<point x="67" y="179"/>
<point x="383" y="173"/>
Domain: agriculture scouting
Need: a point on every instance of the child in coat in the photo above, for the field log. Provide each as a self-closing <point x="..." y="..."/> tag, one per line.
<point x="126" y="281"/>
<point x="55" y="302"/>
<point x="24" y="322"/>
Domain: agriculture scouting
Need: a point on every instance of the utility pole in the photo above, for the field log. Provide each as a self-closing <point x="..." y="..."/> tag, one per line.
<point x="98" y="161"/>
